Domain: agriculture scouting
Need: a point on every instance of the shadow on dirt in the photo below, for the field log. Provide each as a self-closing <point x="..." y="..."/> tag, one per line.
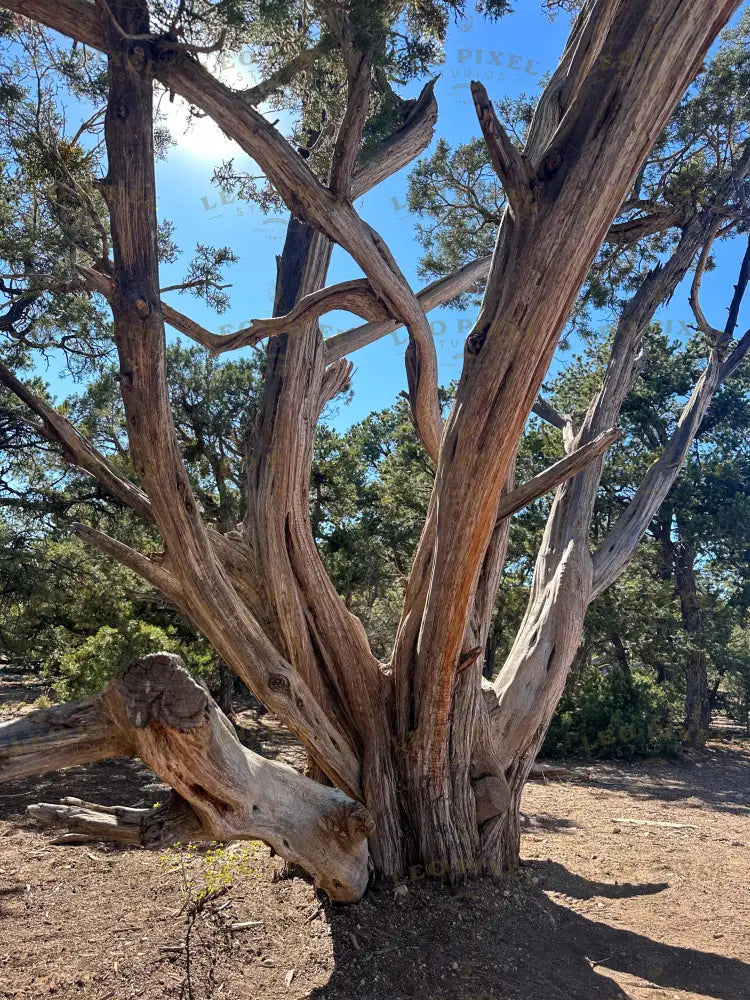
<point x="110" y="782"/>
<point x="508" y="942"/>
<point x="716" y="777"/>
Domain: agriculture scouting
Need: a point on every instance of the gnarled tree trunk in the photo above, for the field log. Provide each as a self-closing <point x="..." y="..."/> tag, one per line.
<point x="427" y="761"/>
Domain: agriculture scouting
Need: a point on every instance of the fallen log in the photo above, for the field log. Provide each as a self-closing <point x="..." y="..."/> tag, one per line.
<point x="540" y="772"/>
<point x="221" y="791"/>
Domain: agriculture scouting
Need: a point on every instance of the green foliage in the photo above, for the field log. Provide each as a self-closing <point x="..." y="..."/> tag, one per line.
<point x="737" y="677"/>
<point x="88" y="667"/>
<point x="208" y="871"/>
<point x="613" y="715"/>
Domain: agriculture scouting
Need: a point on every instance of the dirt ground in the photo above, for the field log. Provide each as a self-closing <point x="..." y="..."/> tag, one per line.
<point x="603" y="909"/>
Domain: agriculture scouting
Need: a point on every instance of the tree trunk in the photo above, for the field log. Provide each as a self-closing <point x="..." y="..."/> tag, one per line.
<point x="621" y="653"/>
<point x="697" y="692"/>
<point x="225" y="694"/>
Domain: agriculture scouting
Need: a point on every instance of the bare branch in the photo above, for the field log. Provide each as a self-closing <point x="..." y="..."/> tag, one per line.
<point x="704" y="326"/>
<point x="551" y="478"/>
<point x="430" y="297"/>
<point x="350" y="132"/>
<point x="739" y="294"/>
<point x="151" y="571"/>
<point x="615" y="552"/>
<point x="77" y="449"/>
<point x="354" y="296"/>
<point x="197" y="283"/>
<point x="102" y="283"/>
<point x="547" y="412"/>
<point x="402" y="146"/>
<point x="658" y="219"/>
<point x="277" y="81"/>
<point x="509" y="162"/>
<point x="736" y="358"/>
<point x="335" y="379"/>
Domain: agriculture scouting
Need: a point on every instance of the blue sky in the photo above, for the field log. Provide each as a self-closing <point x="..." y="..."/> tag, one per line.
<point x="509" y="57"/>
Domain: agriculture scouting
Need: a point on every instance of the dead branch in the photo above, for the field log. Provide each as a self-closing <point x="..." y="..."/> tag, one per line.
<point x="150" y="570"/>
<point x="712" y="334"/>
<point x="222" y="791"/>
<point x="551" y="478"/>
<point x="509" y="162"/>
<point x="430" y="297"/>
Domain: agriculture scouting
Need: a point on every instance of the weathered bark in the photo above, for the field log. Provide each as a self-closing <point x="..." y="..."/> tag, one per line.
<point x="585" y="146"/>
<point x="200" y="586"/>
<point x="565" y="577"/>
<point x="222" y="791"/>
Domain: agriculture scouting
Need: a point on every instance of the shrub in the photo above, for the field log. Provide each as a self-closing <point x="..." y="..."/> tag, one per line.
<point x="615" y="715"/>
<point x="88" y="667"/>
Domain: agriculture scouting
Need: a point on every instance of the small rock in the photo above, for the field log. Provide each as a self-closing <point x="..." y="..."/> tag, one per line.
<point x="455" y="967"/>
<point x="289" y="977"/>
<point x="400" y="890"/>
<point x="616" y="830"/>
<point x="268" y="962"/>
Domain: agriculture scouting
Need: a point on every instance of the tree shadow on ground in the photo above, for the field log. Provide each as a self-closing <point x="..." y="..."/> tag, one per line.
<point x="545" y="821"/>
<point x="558" y="878"/>
<point x="119" y="781"/>
<point x="508" y="941"/>
<point x="718" y="777"/>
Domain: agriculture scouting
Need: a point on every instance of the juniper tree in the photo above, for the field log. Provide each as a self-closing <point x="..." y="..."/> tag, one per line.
<point x="414" y="761"/>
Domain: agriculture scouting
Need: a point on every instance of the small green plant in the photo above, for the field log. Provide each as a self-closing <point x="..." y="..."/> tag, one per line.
<point x="43" y="701"/>
<point x="204" y="873"/>
<point x="88" y="667"/>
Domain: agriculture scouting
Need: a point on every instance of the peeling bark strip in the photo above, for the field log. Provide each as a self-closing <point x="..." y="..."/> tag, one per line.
<point x="222" y="791"/>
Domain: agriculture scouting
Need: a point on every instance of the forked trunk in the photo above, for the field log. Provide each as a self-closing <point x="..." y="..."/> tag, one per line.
<point x="426" y="760"/>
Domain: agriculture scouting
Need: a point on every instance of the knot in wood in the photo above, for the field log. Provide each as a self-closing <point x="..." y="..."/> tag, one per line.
<point x="349" y="822"/>
<point x="475" y="341"/>
<point x="122" y="111"/>
<point x="158" y="688"/>
<point x="142" y="308"/>
<point x="278" y="682"/>
<point x="552" y="162"/>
